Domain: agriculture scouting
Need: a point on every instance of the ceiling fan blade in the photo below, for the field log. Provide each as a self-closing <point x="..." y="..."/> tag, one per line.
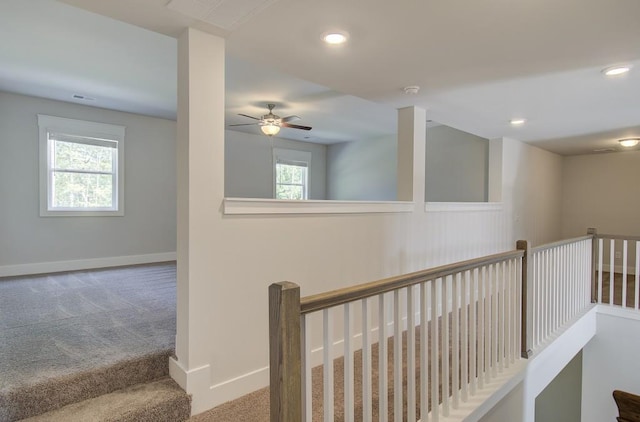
<point x="296" y="126"/>
<point x="246" y="115"/>
<point x="245" y="124"/>
<point x="290" y="118"/>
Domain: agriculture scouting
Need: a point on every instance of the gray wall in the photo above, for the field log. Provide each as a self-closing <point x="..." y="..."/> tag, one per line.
<point x="363" y="170"/>
<point x="248" y="171"/>
<point x="561" y="400"/>
<point x="456" y="166"/>
<point x="149" y="223"/>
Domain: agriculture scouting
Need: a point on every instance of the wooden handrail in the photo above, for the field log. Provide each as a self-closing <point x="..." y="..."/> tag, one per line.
<point x="560" y="243"/>
<point x="617" y="236"/>
<point x="337" y="297"/>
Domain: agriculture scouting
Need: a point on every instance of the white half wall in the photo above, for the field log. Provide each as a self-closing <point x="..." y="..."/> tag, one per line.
<point x="148" y="228"/>
<point x="226" y="262"/>
<point x="507" y="409"/>
<point x="362" y="170"/>
<point x="248" y="171"/>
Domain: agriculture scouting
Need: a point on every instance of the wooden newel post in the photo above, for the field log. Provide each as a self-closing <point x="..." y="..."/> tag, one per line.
<point x="594" y="259"/>
<point x="526" y="321"/>
<point x="285" y="352"/>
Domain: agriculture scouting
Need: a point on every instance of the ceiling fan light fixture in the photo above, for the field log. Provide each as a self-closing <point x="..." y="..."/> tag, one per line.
<point x="270" y="129"/>
<point x="629" y="143"/>
<point x="334" y="38"/>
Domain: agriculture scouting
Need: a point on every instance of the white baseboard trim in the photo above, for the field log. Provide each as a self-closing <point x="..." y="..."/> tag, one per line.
<point x="84" y="264"/>
<point x="205" y="396"/>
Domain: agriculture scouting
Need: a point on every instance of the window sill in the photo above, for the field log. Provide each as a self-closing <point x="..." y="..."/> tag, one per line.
<point x="78" y="213"/>
<point x="462" y="206"/>
<point x="243" y="206"/>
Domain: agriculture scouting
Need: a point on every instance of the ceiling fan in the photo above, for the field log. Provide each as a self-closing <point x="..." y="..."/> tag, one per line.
<point x="270" y="123"/>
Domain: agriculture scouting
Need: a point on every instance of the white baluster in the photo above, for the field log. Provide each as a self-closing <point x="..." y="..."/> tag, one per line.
<point x="424" y="352"/>
<point x="328" y="365"/>
<point x="435" y="371"/>
<point x="305" y="333"/>
<point x="445" y="345"/>
<point x="383" y="381"/>
<point x="473" y="329"/>
<point x="611" y="270"/>
<point x="486" y="274"/>
<point x="624" y="273"/>
<point x="464" y="337"/>
<point x="367" y="394"/>
<point x="600" y="270"/>
<point x="455" y="339"/>
<point x="397" y="357"/>
<point x="411" y="355"/>
<point x="481" y="333"/>
<point x="349" y="407"/>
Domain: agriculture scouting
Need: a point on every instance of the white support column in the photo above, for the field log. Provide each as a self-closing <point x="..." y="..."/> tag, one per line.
<point x="495" y="170"/>
<point x="200" y="190"/>
<point x="412" y="129"/>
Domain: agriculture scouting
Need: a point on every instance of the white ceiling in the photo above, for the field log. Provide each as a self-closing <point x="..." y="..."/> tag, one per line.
<point x="478" y="63"/>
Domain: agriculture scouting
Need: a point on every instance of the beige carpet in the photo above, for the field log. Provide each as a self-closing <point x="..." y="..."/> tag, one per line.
<point x="254" y="407"/>
<point x="617" y="288"/>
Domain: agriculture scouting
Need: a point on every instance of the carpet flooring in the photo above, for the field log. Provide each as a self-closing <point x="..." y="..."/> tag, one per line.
<point x="254" y="407"/>
<point x="56" y="325"/>
<point x="617" y="289"/>
<point x="158" y="401"/>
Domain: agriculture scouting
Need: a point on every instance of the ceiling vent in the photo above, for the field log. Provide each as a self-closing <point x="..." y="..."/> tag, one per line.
<point x="82" y="97"/>
<point x="225" y="14"/>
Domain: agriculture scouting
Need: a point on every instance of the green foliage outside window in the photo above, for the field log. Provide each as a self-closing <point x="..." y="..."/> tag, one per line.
<point x="291" y="181"/>
<point x="82" y="175"/>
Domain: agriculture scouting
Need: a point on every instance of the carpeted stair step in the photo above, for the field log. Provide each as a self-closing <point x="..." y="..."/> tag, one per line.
<point x="159" y="401"/>
<point x="24" y="401"/>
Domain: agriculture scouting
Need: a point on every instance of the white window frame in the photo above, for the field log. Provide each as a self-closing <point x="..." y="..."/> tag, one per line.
<point x="81" y="129"/>
<point x="293" y="157"/>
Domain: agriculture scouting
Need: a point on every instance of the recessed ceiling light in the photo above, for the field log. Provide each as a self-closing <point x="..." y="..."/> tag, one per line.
<point x="517" y="122"/>
<point x="630" y="142"/>
<point x="616" y="70"/>
<point x="335" y="38"/>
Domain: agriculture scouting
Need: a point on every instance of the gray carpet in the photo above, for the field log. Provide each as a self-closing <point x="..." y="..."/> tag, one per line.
<point x="56" y="325"/>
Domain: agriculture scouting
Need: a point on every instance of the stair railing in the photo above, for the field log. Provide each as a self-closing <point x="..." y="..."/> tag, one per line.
<point x="460" y="324"/>
<point x="559" y="286"/>
<point x="616" y="260"/>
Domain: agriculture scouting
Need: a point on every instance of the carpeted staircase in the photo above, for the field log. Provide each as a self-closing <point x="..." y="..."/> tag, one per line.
<point x="90" y="346"/>
<point x="134" y="390"/>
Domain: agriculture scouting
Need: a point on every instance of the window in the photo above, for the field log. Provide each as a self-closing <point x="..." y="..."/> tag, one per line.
<point x="291" y="174"/>
<point x="81" y="167"/>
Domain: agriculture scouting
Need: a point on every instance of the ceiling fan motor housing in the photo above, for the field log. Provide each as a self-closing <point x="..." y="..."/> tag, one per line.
<point x="270" y="119"/>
